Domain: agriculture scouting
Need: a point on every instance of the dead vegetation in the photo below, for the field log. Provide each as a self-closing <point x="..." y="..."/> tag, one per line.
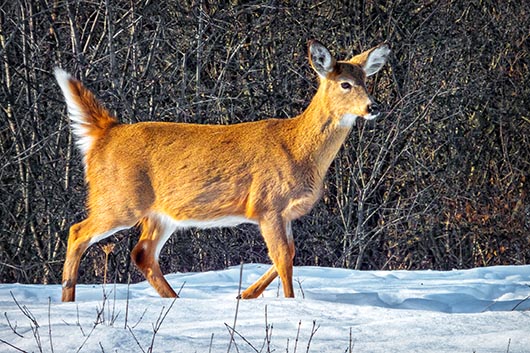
<point x="439" y="181"/>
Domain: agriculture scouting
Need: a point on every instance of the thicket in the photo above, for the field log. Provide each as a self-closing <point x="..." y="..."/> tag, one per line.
<point x="439" y="181"/>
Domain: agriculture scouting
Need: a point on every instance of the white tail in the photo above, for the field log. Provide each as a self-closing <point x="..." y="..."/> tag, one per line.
<point x="167" y="176"/>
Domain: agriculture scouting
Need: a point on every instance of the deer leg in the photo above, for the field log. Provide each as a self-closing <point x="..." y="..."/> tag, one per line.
<point x="82" y="235"/>
<point x="260" y="285"/>
<point x="278" y="237"/>
<point x="145" y="254"/>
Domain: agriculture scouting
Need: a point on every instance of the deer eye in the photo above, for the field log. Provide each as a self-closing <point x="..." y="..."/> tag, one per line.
<point x="346" y="85"/>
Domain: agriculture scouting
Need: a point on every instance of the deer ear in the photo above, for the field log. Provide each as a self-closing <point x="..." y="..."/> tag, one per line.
<point x="373" y="59"/>
<point x="320" y="58"/>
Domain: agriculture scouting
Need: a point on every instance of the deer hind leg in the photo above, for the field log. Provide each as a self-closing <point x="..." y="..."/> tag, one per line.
<point x="279" y="240"/>
<point x="82" y="235"/>
<point x="155" y="233"/>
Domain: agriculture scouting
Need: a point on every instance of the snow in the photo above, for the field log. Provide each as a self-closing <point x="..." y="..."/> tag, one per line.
<point x="336" y="310"/>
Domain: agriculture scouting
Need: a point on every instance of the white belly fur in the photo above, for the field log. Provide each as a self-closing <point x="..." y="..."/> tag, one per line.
<point x="170" y="225"/>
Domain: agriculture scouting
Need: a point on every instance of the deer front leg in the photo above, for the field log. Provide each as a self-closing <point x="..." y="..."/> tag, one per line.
<point x="279" y="240"/>
<point x="260" y="285"/>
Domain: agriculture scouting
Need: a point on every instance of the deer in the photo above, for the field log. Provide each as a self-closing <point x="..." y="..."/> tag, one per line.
<point x="164" y="176"/>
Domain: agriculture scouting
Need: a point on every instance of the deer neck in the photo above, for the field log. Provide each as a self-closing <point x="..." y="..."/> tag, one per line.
<point x="319" y="136"/>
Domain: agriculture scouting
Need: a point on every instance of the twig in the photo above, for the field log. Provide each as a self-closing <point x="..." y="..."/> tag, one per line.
<point x="158" y="324"/>
<point x="33" y="321"/>
<point x="297" y="336"/>
<point x="114" y="315"/>
<point x="237" y="308"/>
<point x="313" y="331"/>
<point x="50" y="323"/>
<point x="300" y="285"/>
<point x="268" y="334"/>
<point x="13" y="328"/>
<point x="25" y="310"/>
<point x="78" y="323"/>
<point x="135" y="339"/>
<point x="127" y="301"/>
<point x="12" y="346"/>
<point x="521" y="302"/>
<point x="181" y="287"/>
<point x="107" y="249"/>
<point x="140" y="319"/>
<point x="100" y="312"/>
<point x="211" y="344"/>
<point x="351" y="343"/>
<point x="87" y="337"/>
<point x="233" y="331"/>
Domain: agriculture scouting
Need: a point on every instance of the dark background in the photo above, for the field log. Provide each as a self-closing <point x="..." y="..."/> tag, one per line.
<point x="439" y="181"/>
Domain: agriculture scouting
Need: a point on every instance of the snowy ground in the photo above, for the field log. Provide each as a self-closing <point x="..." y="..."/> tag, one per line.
<point x="336" y="310"/>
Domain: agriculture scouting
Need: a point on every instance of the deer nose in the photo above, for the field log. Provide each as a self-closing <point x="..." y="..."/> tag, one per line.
<point x="373" y="109"/>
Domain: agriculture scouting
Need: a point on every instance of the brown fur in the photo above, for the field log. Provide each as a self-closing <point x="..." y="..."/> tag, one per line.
<point x="270" y="172"/>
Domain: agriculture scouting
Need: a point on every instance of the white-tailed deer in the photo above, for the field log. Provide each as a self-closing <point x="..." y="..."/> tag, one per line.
<point x="166" y="176"/>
